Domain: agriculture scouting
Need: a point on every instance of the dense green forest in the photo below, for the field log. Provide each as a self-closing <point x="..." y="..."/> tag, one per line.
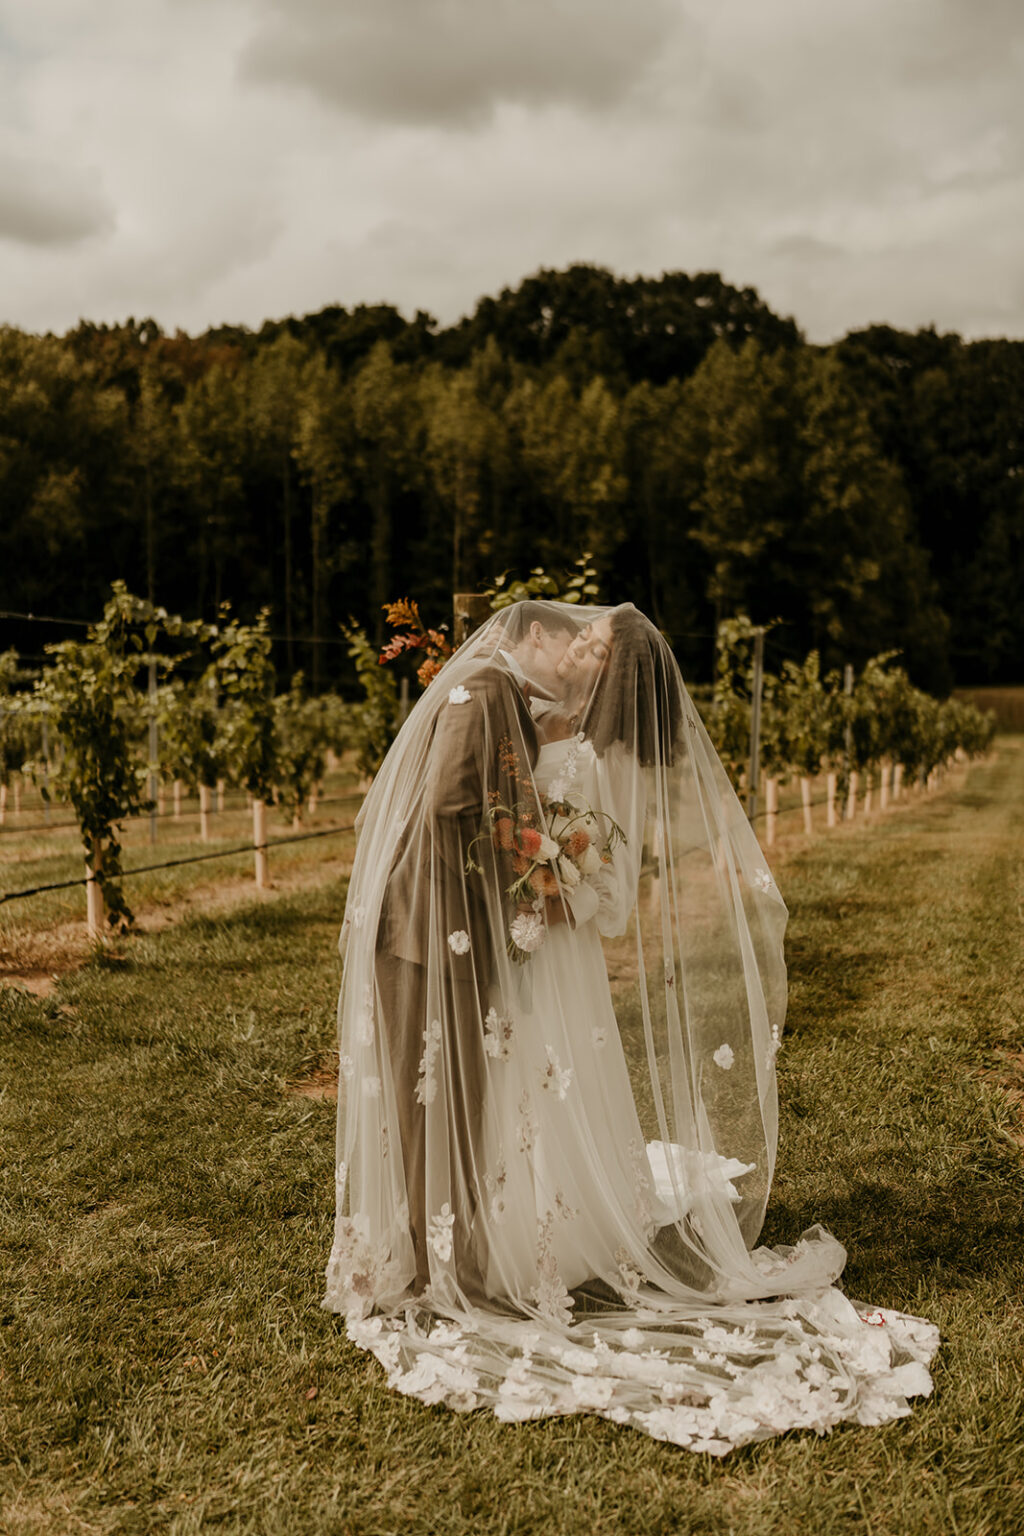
<point x="868" y="495"/>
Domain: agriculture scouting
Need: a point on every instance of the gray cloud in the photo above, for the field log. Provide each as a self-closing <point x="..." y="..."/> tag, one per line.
<point x="44" y="204"/>
<point x="854" y="163"/>
<point x="450" y="62"/>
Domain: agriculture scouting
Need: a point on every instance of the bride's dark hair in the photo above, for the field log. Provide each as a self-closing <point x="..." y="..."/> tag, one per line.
<point x="637" y="699"/>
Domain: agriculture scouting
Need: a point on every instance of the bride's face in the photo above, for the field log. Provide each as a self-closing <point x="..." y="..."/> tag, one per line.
<point x="586" y="658"/>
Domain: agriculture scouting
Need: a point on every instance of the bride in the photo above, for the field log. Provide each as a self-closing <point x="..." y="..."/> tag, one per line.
<point x="563" y="997"/>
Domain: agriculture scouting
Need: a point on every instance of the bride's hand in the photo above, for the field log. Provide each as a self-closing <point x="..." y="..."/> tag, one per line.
<point x="556" y="725"/>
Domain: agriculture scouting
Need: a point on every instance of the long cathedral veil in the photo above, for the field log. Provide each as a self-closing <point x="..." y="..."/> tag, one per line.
<point x="564" y="992"/>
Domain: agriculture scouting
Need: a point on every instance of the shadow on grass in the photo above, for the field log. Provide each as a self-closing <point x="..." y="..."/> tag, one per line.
<point x="906" y="1232"/>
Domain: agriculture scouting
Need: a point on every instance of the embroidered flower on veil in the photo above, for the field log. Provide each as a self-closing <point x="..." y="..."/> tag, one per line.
<point x="459" y="695"/>
<point x="440" y="1232"/>
<point x="498" y="1036"/>
<point x="724" y="1057"/>
<point x="554" y="1077"/>
<point x="458" y="942"/>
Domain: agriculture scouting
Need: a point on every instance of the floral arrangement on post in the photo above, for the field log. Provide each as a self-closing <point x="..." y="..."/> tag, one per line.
<point x="417" y="637"/>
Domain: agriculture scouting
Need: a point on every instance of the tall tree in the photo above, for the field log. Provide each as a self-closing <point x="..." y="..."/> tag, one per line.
<point x="387" y="422"/>
<point x="739" y="411"/>
<point x="322" y="451"/>
<point x="275" y="395"/>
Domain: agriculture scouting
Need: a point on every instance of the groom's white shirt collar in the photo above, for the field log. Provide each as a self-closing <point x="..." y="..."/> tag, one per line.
<point x="539" y="700"/>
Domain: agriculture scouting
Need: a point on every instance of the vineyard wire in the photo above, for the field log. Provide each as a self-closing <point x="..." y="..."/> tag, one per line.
<point x="277" y="842"/>
<point x="196" y="858"/>
<point x="229" y="810"/>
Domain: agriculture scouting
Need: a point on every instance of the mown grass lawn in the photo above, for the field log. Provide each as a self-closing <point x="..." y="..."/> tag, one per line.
<point x="166" y="1210"/>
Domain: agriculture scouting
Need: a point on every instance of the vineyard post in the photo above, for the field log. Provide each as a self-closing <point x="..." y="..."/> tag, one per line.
<point x="469" y="609"/>
<point x="771" y="799"/>
<point x="46" y="766"/>
<point x="883" y="789"/>
<point x="259" y="842"/>
<point x="805" y="798"/>
<point x="176" y="792"/>
<point x="222" y="785"/>
<point x="95" y="906"/>
<point x="154" y="764"/>
<point x="204" y="813"/>
<point x="851" y="799"/>
<point x="897" y="780"/>
<point x="753" y="772"/>
<point x="869" y="785"/>
<point x="830" y="798"/>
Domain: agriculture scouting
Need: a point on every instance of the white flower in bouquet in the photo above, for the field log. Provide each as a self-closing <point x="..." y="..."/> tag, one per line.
<point x="568" y="871"/>
<point x="590" y="863"/>
<point x="548" y="849"/>
<point x="527" y="931"/>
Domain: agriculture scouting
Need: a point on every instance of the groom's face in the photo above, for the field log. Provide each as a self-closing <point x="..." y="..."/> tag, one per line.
<point x="542" y="656"/>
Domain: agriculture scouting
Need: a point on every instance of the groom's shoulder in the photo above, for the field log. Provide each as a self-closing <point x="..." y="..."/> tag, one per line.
<point x="490" y="675"/>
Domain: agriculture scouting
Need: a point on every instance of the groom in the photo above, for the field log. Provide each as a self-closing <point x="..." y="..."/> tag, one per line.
<point x="429" y="896"/>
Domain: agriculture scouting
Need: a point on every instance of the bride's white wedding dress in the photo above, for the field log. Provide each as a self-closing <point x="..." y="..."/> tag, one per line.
<point x="585" y="1234"/>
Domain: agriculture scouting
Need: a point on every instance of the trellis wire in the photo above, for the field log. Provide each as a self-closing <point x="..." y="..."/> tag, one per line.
<point x="196" y="858"/>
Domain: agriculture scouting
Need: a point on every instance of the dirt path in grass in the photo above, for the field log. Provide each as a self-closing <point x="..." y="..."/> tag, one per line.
<point x="35" y="959"/>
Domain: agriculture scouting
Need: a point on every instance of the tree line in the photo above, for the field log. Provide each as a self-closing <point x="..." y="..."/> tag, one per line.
<point x="868" y="496"/>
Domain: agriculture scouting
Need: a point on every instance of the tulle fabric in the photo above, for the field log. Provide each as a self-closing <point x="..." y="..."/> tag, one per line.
<point x="553" y="1160"/>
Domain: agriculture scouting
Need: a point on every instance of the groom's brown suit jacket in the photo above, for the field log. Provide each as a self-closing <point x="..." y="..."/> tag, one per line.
<point x="429" y="896"/>
<point x="429" y="888"/>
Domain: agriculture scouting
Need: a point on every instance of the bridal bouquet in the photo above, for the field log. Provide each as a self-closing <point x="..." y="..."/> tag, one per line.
<point x="551" y="845"/>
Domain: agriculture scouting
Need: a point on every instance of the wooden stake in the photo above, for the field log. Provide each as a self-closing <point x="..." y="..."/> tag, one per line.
<point x="883" y="792"/>
<point x="869" y="785"/>
<point x="469" y="609"/>
<point x="17" y="796"/>
<point x="95" y="907"/>
<point x="897" y="780"/>
<point x="805" y="797"/>
<point x="830" y="804"/>
<point x="221" y="786"/>
<point x="851" y="799"/>
<point x="3" y="804"/>
<point x="177" y="799"/>
<point x="771" y="804"/>
<point x="259" y="841"/>
<point x="204" y="813"/>
<point x="757" y="691"/>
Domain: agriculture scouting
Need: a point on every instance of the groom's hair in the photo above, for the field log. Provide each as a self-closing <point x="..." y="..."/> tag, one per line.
<point x="518" y="617"/>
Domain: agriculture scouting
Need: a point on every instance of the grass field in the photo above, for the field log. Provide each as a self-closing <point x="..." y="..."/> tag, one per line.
<point x="166" y="1203"/>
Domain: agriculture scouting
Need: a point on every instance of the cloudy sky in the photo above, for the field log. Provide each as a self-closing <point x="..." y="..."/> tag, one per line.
<point x="204" y="161"/>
